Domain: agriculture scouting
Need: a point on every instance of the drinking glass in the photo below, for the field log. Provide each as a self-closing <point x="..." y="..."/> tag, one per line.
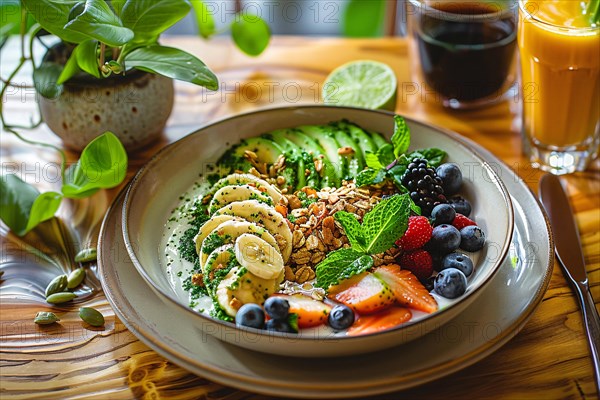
<point x="464" y="49"/>
<point x="560" y="74"/>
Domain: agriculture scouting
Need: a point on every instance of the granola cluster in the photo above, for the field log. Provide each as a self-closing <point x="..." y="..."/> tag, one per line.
<point x="315" y="231"/>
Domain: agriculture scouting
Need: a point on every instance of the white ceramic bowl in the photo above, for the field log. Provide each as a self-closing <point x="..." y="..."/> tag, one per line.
<point x="156" y="189"/>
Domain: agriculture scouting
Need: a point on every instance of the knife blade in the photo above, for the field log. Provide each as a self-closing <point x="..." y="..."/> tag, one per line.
<point x="570" y="256"/>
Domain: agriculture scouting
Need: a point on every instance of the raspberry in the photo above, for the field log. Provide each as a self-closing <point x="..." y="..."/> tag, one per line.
<point x="460" y="221"/>
<point x="418" y="262"/>
<point x="417" y="234"/>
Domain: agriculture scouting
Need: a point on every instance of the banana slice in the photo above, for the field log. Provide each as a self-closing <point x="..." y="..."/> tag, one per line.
<point x="264" y="215"/>
<point x="221" y="255"/>
<point x="242" y="179"/>
<point x="240" y="287"/>
<point x="229" y="194"/>
<point x="209" y="226"/>
<point x="258" y="257"/>
<point x="228" y="232"/>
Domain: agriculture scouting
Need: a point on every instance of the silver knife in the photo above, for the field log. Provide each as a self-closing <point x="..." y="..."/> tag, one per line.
<point x="570" y="257"/>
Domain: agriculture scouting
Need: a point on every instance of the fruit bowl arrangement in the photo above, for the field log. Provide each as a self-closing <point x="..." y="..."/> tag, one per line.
<point x="305" y="231"/>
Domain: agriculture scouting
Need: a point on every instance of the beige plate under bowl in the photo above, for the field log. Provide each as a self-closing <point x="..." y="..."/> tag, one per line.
<point x="155" y="192"/>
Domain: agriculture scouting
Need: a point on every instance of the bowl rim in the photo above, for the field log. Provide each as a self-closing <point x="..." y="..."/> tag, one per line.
<point x="430" y="318"/>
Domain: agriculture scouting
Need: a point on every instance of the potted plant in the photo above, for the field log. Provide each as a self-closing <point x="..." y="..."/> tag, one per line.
<point x="108" y="73"/>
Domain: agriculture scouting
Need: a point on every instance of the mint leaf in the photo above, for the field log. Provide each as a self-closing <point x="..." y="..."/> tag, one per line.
<point x="372" y="160"/>
<point x="401" y="136"/>
<point x="351" y="228"/>
<point x="433" y="156"/>
<point x="370" y="176"/>
<point x="385" y="155"/>
<point x="386" y="223"/>
<point x="341" y="264"/>
<point x="381" y="159"/>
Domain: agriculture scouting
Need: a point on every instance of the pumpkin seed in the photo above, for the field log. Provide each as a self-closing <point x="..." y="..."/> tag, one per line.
<point x="91" y="316"/>
<point x="86" y="255"/>
<point x="45" y="318"/>
<point x="75" y="278"/>
<point x="60" y="297"/>
<point x="56" y="285"/>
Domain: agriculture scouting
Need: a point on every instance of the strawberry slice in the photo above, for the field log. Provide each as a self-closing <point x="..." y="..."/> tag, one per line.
<point x="381" y="321"/>
<point x="310" y="312"/>
<point x="364" y="293"/>
<point x="406" y="287"/>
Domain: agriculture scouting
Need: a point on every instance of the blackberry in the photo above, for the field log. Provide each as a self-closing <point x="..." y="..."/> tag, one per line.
<point x="424" y="185"/>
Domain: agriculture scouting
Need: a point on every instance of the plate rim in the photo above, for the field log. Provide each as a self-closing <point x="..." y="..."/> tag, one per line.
<point x="454" y="136"/>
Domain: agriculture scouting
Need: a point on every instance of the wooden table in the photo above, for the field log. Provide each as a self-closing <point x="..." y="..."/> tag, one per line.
<point x="548" y="359"/>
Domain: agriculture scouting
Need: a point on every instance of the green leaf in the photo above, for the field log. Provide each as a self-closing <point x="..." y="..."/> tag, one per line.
<point x="87" y="58"/>
<point x="10" y="23"/>
<point x="22" y="206"/>
<point x="117" y="6"/>
<point x="149" y="18"/>
<point x="351" y="228"/>
<point x="45" y="79"/>
<point x="44" y="207"/>
<point x="401" y="136"/>
<point x="204" y="19"/>
<point x="102" y="165"/>
<point x="99" y="22"/>
<point x="364" y="18"/>
<point x="370" y="176"/>
<point x="339" y="265"/>
<point x="372" y="160"/>
<point x="250" y="33"/>
<point x="386" y="223"/>
<point x="385" y="154"/>
<point x="173" y="63"/>
<point x="434" y="156"/>
<point x="52" y="15"/>
<point x="84" y="58"/>
<point x="16" y="202"/>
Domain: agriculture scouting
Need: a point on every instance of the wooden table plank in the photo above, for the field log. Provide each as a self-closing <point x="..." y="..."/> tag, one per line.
<point x="549" y="359"/>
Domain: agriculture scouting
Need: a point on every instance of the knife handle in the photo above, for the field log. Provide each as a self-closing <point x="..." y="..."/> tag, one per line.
<point x="591" y="323"/>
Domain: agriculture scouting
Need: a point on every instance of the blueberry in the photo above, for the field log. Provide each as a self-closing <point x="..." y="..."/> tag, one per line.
<point x="459" y="261"/>
<point x="279" y="325"/>
<point x="443" y="214"/>
<point x="461" y="205"/>
<point x="341" y="317"/>
<point x="444" y="239"/>
<point x="451" y="177"/>
<point x="277" y="307"/>
<point x="450" y="283"/>
<point x="251" y="315"/>
<point x="472" y="238"/>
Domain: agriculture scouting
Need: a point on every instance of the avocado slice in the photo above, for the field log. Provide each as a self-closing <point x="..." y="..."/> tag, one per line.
<point x="325" y="137"/>
<point x="360" y="137"/>
<point x="355" y="160"/>
<point x="328" y="173"/>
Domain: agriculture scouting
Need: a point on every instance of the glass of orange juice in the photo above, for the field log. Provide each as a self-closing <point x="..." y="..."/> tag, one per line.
<point x="560" y="79"/>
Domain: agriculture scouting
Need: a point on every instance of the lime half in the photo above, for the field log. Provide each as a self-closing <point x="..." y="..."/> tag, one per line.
<point x="363" y="83"/>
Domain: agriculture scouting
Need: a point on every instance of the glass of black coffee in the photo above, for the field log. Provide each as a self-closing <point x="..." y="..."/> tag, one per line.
<point x="464" y="49"/>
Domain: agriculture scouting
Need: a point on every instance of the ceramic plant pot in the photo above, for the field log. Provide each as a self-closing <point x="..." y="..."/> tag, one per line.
<point x="135" y="107"/>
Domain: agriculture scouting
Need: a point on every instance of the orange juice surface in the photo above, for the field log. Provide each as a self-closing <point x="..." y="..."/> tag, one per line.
<point x="560" y="65"/>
